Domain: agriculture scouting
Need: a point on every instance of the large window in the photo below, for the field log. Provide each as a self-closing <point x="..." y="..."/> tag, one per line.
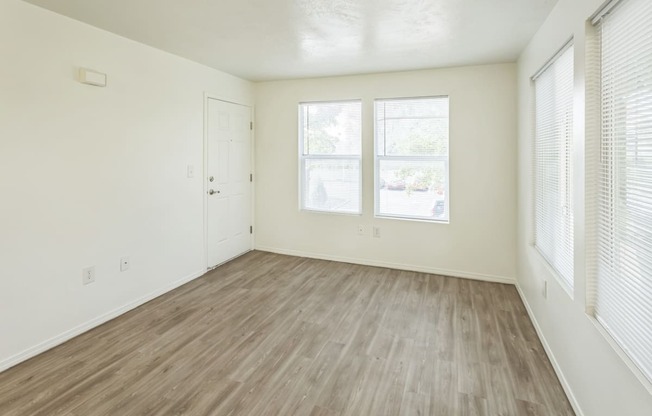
<point x="330" y="156"/>
<point x="411" y="163"/>
<point x="622" y="297"/>
<point x="553" y="207"/>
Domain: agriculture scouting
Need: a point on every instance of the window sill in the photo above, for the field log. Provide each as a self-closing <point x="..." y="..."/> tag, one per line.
<point x="396" y="217"/>
<point x="551" y="270"/>
<point x="316" y="211"/>
<point x="647" y="383"/>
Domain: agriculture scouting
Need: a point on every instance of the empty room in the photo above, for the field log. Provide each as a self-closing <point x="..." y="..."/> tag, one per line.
<point x="326" y="207"/>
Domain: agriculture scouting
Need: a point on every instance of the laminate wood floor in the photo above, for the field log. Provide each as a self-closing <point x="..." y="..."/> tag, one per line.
<point x="268" y="334"/>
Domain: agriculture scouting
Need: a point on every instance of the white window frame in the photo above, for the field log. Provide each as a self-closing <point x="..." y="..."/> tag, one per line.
<point x="305" y="157"/>
<point x="564" y="282"/>
<point x="378" y="158"/>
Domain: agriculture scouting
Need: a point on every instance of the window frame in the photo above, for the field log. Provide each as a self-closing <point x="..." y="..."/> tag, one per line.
<point x="378" y="158"/>
<point x="303" y="157"/>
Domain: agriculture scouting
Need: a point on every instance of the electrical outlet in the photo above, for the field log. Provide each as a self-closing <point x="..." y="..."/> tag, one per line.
<point x="88" y="275"/>
<point x="360" y="229"/>
<point x="376" y="232"/>
<point x="544" y="289"/>
<point x="124" y="264"/>
<point x="191" y="171"/>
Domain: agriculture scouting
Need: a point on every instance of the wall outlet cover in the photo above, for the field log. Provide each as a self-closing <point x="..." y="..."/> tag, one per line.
<point x="88" y="275"/>
<point x="124" y="264"/>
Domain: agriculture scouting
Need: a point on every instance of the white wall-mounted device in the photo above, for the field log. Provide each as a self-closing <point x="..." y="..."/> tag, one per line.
<point x="90" y="77"/>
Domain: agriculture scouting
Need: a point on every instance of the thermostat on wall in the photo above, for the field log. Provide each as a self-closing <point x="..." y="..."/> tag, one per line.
<point x="90" y="77"/>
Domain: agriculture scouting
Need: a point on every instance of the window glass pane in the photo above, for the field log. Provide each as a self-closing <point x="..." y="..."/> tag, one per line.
<point x="331" y="142"/>
<point x="332" y="185"/>
<point x="414" y="189"/>
<point x="412" y="127"/>
<point x="412" y="158"/>
<point x="331" y="128"/>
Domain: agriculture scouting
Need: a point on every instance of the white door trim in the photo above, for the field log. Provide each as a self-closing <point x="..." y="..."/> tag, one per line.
<point x="209" y="96"/>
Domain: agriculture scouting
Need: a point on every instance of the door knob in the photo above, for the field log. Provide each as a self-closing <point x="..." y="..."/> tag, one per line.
<point x="211" y="192"/>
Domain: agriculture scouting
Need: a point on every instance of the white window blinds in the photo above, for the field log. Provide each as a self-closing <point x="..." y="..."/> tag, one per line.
<point x="622" y="293"/>
<point x="553" y="211"/>
<point x="330" y="147"/>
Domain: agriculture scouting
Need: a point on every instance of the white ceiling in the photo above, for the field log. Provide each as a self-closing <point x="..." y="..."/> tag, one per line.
<point x="280" y="39"/>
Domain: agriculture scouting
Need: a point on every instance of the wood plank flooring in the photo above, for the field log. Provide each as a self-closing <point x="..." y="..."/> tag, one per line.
<point x="268" y="334"/>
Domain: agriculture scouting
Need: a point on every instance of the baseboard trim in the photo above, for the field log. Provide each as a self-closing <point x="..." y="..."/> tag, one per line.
<point x="551" y="356"/>
<point x="389" y="265"/>
<point x="87" y="326"/>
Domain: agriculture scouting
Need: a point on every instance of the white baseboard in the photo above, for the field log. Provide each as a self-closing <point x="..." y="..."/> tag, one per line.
<point x="551" y="356"/>
<point x="80" y="329"/>
<point x="399" y="266"/>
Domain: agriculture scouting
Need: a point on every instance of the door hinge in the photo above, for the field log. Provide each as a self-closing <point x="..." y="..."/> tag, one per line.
<point x="251" y="125"/>
<point x="251" y="229"/>
<point x="251" y="177"/>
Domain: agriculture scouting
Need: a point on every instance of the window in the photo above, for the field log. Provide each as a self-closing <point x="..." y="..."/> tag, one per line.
<point x="411" y="164"/>
<point x="330" y="156"/>
<point x="553" y="205"/>
<point x="622" y="292"/>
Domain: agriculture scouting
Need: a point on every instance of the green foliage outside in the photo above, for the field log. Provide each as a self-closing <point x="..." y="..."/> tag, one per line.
<point x="421" y="143"/>
<point x="427" y="137"/>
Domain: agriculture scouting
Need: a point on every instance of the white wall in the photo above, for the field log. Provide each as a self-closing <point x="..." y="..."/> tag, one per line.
<point x="89" y="174"/>
<point x="479" y="242"/>
<point x="597" y="379"/>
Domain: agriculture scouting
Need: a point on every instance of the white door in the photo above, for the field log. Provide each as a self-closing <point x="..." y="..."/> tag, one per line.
<point x="228" y="167"/>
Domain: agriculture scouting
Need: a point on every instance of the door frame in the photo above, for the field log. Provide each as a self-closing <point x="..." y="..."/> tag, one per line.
<point x="209" y="96"/>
